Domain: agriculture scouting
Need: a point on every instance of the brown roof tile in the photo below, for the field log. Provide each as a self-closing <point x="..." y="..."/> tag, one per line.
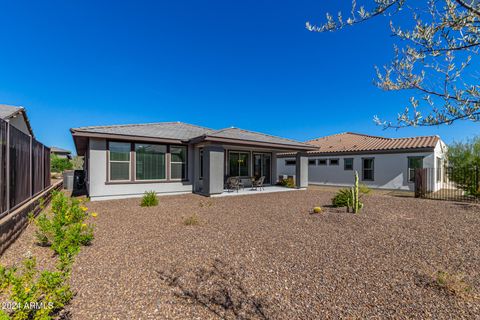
<point x="350" y="142"/>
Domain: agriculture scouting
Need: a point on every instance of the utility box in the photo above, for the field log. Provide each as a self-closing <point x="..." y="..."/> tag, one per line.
<point x="68" y="180"/>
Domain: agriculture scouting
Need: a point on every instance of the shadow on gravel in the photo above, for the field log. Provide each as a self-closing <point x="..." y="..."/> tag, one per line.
<point x="218" y="289"/>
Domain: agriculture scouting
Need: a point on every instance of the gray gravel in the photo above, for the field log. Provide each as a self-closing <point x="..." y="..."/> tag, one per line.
<point x="266" y="257"/>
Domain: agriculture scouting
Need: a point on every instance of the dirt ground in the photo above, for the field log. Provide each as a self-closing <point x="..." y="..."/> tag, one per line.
<point x="266" y="256"/>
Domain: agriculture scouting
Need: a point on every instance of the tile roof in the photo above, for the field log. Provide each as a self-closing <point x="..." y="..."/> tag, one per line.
<point x="246" y="135"/>
<point x="350" y="142"/>
<point x="161" y="130"/>
<point x="7" y="111"/>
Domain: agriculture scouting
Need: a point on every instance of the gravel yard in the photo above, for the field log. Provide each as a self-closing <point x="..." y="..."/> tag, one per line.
<point x="265" y="257"/>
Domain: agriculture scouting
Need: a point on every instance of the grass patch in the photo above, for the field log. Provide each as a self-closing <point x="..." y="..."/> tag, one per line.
<point x="192" y="220"/>
<point x="149" y="199"/>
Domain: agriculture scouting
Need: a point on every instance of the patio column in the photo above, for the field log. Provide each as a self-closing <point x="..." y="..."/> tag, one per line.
<point x="213" y="169"/>
<point x="301" y="172"/>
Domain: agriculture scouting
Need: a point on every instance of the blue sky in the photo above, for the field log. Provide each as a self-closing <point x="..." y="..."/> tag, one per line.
<point x="249" y="64"/>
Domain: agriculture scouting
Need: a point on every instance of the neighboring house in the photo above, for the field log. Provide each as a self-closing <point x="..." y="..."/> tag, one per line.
<point x="174" y="157"/>
<point x="61" y="153"/>
<point x="17" y="117"/>
<point x="387" y="163"/>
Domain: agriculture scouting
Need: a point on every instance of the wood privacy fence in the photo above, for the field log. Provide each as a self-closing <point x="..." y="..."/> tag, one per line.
<point x="24" y="168"/>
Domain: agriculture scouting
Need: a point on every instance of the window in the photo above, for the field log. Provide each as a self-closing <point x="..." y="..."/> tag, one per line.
<point x="290" y="162"/>
<point x="312" y="162"/>
<point x="178" y="162"/>
<point x="367" y="168"/>
<point x="239" y="163"/>
<point x="348" y="164"/>
<point x="334" y="162"/>
<point x="119" y="163"/>
<point x="201" y="164"/>
<point x="322" y="162"/>
<point x="413" y="164"/>
<point x="150" y="161"/>
<point x="439" y="169"/>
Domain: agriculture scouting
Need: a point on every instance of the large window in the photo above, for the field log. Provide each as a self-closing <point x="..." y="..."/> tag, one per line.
<point x="348" y="164"/>
<point x="178" y="163"/>
<point x="239" y="163"/>
<point x="150" y="161"/>
<point x="413" y="164"/>
<point x="368" y="168"/>
<point x="119" y="161"/>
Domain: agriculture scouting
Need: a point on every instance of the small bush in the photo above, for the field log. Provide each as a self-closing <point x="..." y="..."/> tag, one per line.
<point x="344" y="196"/>
<point x="149" y="199"/>
<point x="191" y="221"/>
<point x="454" y="284"/>
<point x="287" y="183"/>
<point x="48" y="291"/>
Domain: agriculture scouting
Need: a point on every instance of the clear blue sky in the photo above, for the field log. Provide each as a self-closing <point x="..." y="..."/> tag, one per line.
<point x="250" y="64"/>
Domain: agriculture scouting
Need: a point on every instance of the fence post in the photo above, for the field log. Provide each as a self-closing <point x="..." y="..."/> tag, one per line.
<point x="43" y="167"/>
<point x="7" y="175"/>
<point x="31" y="168"/>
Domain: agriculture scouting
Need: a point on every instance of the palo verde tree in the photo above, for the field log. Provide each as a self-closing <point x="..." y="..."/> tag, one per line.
<point x="435" y="58"/>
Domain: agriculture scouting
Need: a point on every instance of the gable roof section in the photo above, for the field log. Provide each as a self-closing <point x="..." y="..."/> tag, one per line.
<point x="350" y="142"/>
<point x="7" y="112"/>
<point x="246" y="136"/>
<point x="162" y="130"/>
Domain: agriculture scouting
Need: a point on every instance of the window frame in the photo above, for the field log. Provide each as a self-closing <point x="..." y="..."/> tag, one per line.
<point x="439" y="169"/>
<point x="109" y="161"/>
<point x="292" y="162"/>
<point x="319" y="162"/>
<point x="411" y="179"/>
<point x="372" y="169"/>
<point x="345" y="164"/>
<point x="249" y="163"/>
<point x="135" y="163"/>
<point x="314" y="162"/>
<point x="170" y="162"/>
<point x="334" y="159"/>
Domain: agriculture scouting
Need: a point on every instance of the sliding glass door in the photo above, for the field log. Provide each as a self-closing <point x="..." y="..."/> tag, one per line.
<point x="262" y="166"/>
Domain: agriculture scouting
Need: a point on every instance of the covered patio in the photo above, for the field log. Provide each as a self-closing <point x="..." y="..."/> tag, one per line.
<point x="251" y="191"/>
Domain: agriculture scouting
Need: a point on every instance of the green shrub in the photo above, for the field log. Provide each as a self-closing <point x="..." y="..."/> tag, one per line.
<point x="64" y="230"/>
<point x="58" y="164"/>
<point x="36" y="295"/>
<point x="287" y="183"/>
<point x="343" y="198"/>
<point x="149" y="199"/>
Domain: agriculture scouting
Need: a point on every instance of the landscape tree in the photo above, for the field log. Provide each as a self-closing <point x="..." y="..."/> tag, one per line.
<point x="434" y="57"/>
<point x="58" y="164"/>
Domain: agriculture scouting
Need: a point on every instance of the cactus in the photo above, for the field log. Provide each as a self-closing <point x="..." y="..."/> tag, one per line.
<point x="355" y="196"/>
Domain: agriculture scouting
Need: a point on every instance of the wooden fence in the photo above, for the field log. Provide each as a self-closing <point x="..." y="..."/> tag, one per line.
<point x="24" y="168"/>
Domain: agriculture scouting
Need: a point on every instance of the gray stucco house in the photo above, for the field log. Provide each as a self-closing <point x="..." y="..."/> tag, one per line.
<point x="174" y="157"/>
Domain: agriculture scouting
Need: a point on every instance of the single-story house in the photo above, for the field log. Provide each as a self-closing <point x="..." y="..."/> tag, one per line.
<point x="17" y="117"/>
<point x="174" y="157"/>
<point x="387" y="163"/>
<point x="61" y="153"/>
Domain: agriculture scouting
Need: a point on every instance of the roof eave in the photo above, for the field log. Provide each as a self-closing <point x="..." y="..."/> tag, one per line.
<point x="113" y="136"/>
<point x="362" y="152"/>
<point x="206" y="138"/>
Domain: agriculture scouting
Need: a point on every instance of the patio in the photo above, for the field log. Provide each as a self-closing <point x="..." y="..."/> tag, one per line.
<point x="250" y="191"/>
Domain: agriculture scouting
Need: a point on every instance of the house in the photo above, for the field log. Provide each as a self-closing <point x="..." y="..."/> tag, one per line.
<point x="175" y="157"/>
<point x="17" y="117"/>
<point x="387" y="163"/>
<point x="61" y="153"/>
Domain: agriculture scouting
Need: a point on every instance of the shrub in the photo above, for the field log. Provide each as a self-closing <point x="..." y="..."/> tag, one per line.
<point x="149" y="199"/>
<point x="46" y="291"/>
<point x="344" y="197"/>
<point x="64" y="230"/>
<point x="287" y="183"/>
<point x="191" y="221"/>
<point x="58" y="164"/>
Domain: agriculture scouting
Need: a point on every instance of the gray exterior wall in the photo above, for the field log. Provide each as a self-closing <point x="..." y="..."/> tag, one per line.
<point x="100" y="189"/>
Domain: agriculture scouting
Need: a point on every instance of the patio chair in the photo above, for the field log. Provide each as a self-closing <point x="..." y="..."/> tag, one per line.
<point x="258" y="184"/>
<point x="234" y="183"/>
